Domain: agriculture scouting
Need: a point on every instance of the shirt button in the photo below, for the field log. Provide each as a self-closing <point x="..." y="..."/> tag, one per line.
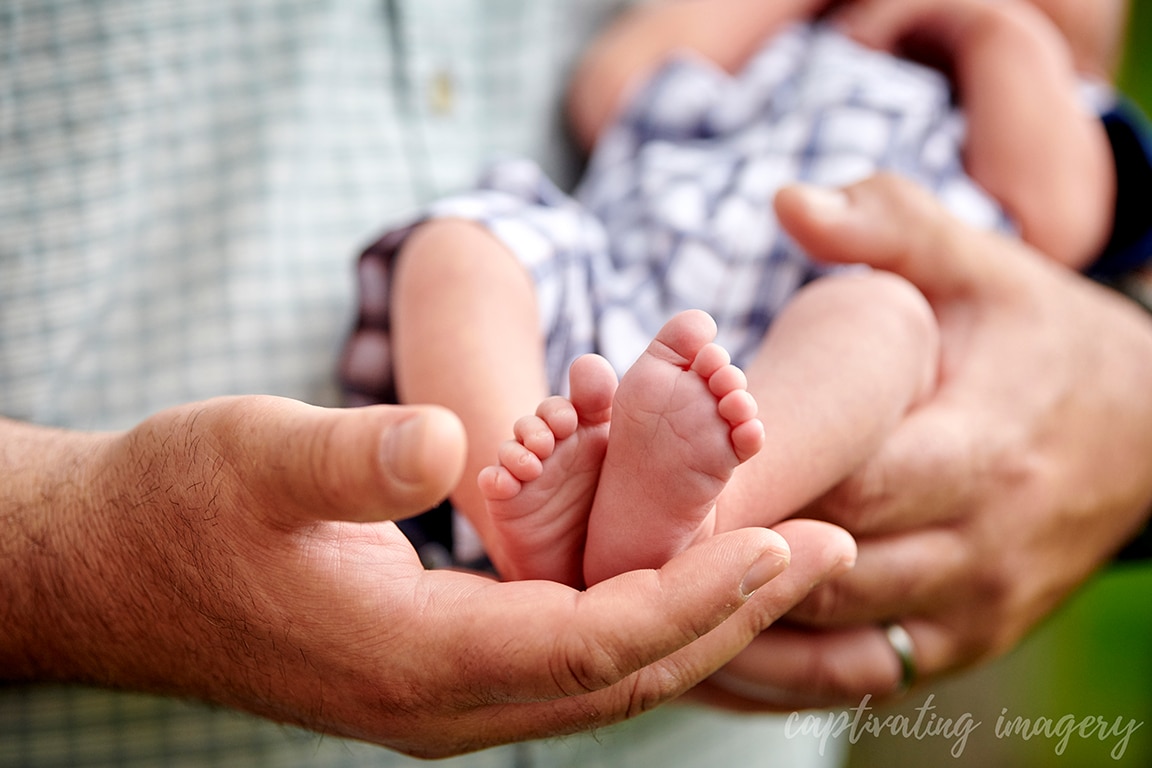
<point x="442" y="93"/>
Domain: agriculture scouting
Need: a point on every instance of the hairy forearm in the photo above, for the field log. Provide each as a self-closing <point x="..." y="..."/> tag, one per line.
<point x="727" y="32"/>
<point x="86" y="527"/>
<point x="45" y="509"/>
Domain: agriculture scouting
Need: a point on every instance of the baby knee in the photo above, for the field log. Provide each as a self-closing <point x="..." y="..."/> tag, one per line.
<point x="910" y="310"/>
<point x="895" y="310"/>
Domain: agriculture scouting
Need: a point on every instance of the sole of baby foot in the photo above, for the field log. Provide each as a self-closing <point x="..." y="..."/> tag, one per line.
<point x="682" y="422"/>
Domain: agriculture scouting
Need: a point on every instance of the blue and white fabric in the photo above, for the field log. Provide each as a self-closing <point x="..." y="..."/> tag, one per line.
<point x="675" y="210"/>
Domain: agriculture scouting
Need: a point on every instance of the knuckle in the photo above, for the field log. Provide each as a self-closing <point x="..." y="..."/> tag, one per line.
<point x="579" y="666"/>
<point x="647" y="692"/>
<point x="326" y="474"/>
<point x="829" y="679"/>
<point x="895" y="190"/>
<point x="851" y="503"/>
<point x="984" y="622"/>
<point x="822" y="606"/>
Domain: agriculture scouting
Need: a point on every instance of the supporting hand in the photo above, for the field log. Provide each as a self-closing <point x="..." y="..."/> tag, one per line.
<point x="1027" y="470"/>
<point x="240" y="551"/>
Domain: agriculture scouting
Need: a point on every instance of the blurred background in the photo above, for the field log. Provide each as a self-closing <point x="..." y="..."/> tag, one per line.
<point x="1092" y="658"/>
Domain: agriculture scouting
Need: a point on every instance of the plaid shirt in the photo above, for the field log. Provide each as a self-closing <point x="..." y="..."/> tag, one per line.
<point x="184" y="186"/>
<point x="184" y="189"/>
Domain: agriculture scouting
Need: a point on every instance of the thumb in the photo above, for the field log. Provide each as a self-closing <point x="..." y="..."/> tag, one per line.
<point x="892" y="224"/>
<point x="366" y="464"/>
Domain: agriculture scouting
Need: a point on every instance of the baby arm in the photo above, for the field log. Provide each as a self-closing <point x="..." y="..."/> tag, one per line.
<point x="727" y="32"/>
<point x="1031" y="141"/>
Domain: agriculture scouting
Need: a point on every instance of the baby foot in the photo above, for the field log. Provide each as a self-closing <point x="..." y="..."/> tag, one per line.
<point x="540" y="494"/>
<point x="682" y="421"/>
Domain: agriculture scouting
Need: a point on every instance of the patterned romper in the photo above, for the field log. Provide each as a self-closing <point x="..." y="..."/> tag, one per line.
<point x="675" y="208"/>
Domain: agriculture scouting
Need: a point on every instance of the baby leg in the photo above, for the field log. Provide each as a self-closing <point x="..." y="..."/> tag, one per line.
<point x="466" y="335"/>
<point x="682" y="421"/>
<point x="841" y="366"/>
<point x="538" y="498"/>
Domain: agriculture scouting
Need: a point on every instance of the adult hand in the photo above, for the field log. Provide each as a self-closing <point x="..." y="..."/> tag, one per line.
<point x="1029" y="467"/>
<point x="239" y="551"/>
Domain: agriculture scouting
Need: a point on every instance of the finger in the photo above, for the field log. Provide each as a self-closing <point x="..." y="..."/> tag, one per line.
<point x="894" y="576"/>
<point x="920" y="476"/>
<point x="670" y="621"/>
<point x="560" y="642"/>
<point x="365" y="464"/>
<point x="790" y="668"/>
<point x="892" y="224"/>
<point x="821" y="554"/>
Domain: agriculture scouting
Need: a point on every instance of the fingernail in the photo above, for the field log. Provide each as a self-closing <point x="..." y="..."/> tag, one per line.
<point x="767" y="567"/>
<point x="822" y="202"/>
<point x="401" y="449"/>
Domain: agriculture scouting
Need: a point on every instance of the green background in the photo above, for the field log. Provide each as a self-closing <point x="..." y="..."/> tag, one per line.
<point x="1092" y="658"/>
